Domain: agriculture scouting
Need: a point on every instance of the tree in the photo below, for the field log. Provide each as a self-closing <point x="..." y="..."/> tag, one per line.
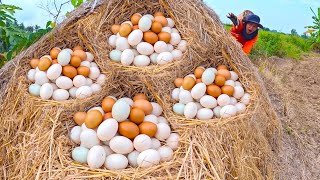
<point x="315" y="29"/>
<point x="294" y="32"/>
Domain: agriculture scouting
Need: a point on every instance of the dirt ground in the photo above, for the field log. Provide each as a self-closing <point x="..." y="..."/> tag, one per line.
<point x="294" y="89"/>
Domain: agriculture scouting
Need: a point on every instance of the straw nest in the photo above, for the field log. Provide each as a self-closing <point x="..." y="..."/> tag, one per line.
<point x="35" y="142"/>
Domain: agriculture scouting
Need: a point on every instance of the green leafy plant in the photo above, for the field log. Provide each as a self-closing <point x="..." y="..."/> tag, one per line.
<point x="314" y="30"/>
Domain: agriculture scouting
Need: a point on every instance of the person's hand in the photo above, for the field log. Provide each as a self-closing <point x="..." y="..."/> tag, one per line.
<point x="233" y="18"/>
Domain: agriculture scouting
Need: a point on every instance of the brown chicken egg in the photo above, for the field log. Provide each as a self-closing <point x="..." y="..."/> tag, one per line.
<point x="75" y="61"/>
<point x="213" y="90"/>
<point x="54" y="61"/>
<point x="144" y="105"/>
<point x="156" y="27"/>
<point x="107" y="104"/>
<point x="54" y="53"/>
<point x="162" y="20"/>
<point x="79" y="117"/>
<point x="188" y="82"/>
<point x="219" y="80"/>
<point x="93" y="119"/>
<point x="224" y="72"/>
<point x="135" y="27"/>
<point x="115" y="28"/>
<point x="158" y="14"/>
<point x="227" y="89"/>
<point x="81" y="54"/>
<point x="125" y="29"/>
<point x="136" y="115"/>
<point x="135" y="18"/>
<point x="150" y="37"/>
<point x="198" y="80"/>
<point x="221" y="66"/>
<point x="107" y="116"/>
<point x="140" y="96"/>
<point x="148" y="128"/>
<point x="198" y="72"/>
<point x="164" y="36"/>
<point x="69" y="71"/>
<point x="34" y="63"/>
<point x="77" y="48"/>
<point x="128" y="129"/>
<point x="83" y="70"/>
<point x="178" y="82"/>
<point x="44" y="64"/>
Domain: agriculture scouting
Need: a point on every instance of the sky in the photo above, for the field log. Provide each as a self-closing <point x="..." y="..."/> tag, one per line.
<point x="280" y="15"/>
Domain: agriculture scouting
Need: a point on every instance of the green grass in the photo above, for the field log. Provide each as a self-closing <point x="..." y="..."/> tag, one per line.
<point x="279" y="44"/>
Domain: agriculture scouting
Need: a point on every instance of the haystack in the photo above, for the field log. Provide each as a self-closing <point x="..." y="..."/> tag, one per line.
<point x="35" y="142"/>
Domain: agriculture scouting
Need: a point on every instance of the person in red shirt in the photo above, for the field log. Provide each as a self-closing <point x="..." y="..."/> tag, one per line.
<point x="245" y="30"/>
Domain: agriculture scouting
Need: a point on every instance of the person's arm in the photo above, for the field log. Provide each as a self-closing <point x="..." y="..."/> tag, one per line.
<point x="237" y="29"/>
<point x="247" y="47"/>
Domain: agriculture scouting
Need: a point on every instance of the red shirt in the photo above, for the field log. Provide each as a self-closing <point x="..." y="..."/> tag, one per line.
<point x="246" y="45"/>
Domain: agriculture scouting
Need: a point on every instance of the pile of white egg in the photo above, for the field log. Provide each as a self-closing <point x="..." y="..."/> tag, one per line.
<point x="210" y="93"/>
<point x="65" y="74"/>
<point x="146" y="40"/>
<point x="123" y="132"/>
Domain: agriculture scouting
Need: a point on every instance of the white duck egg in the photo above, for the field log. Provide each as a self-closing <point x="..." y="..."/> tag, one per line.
<point x="101" y="79"/>
<point x="34" y="89"/>
<point x="115" y="55"/>
<point x="151" y="118"/>
<point x="60" y="95"/>
<point x="116" y="162"/>
<point x="135" y="37"/>
<point x="199" y="106"/>
<point x="162" y="119"/>
<point x="83" y="92"/>
<point x="166" y="153"/>
<point x="89" y="82"/>
<point x="127" y="57"/>
<point x="238" y="92"/>
<point x="70" y="51"/>
<point x="216" y="111"/>
<point x="175" y="38"/>
<point x="99" y="108"/>
<point x="234" y="75"/>
<point x="160" y="47"/>
<point x="93" y="64"/>
<point x="41" y="78"/>
<point x="175" y="94"/>
<point x="190" y="111"/>
<point x="228" y="111"/>
<point x="132" y="157"/>
<point x="107" y="129"/>
<point x="245" y="99"/>
<point x="230" y="83"/>
<point x="223" y="100"/>
<point x="208" y="76"/>
<point x="64" y="58"/>
<point x="88" y="138"/>
<point x="54" y="86"/>
<point x="157" y="109"/>
<point x="75" y="134"/>
<point x="96" y="157"/>
<point x="142" y="142"/>
<point x="107" y="149"/>
<point x="120" y="110"/>
<point x="149" y="16"/>
<point x="177" y="54"/>
<point x="164" y="58"/>
<point x="145" y="23"/>
<point x="155" y="143"/>
<point x="90" y="56"/>
<point x="122" y="44"/>
<point x="204" y="114"/>
<point x="121" y="145"/>
<point x="170" y="22"/>
<point x="96" y="88"/>
<point x="153" y="58"/>
<point x="141" y="60"/>
<point x="175" y="30"/>
<point x="46" y="91"/>
<point x="170" y="47"/>
<point x="173" y="141"/>
<point x="179" y="108"/>
<point x="237" y="83"/>
<point x="198" y="90"/>
<point x="233" y="101"/>
<point x="163" y="131"/>
<point x="72" y="92"/>
<point x="182" y="46"/>
<point x="145" y="48"/>
<point x="185" y="97"/>
<point x="79" y="81"/>
<point x="63" y="82"/>
<point x="241" y="108"/>
<point x="31" y="74"/>
<point x="80" y="154"/>
<point x="112" y="40"/>
<point x="85" y="63"/>
<point x="127" y="100"/>
<point x="94" y="73"/>
<point x="148" y="158"/>
<point x="208" y="101"/>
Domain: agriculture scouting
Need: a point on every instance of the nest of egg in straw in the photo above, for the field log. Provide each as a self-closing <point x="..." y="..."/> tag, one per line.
<point x="37" y="133"/>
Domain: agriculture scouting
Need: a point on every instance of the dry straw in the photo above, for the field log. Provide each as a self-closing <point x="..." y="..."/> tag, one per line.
<point x="34" y="140"/>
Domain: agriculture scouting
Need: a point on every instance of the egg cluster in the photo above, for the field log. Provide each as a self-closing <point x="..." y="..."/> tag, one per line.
<point x="123" y="132"/>
<point x="65" y="73"/>
<point x="146" y="39"/>
<point x="210" y="92"/>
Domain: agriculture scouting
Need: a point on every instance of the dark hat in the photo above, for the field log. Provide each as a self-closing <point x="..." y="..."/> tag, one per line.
<point x="254" y="19"/>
